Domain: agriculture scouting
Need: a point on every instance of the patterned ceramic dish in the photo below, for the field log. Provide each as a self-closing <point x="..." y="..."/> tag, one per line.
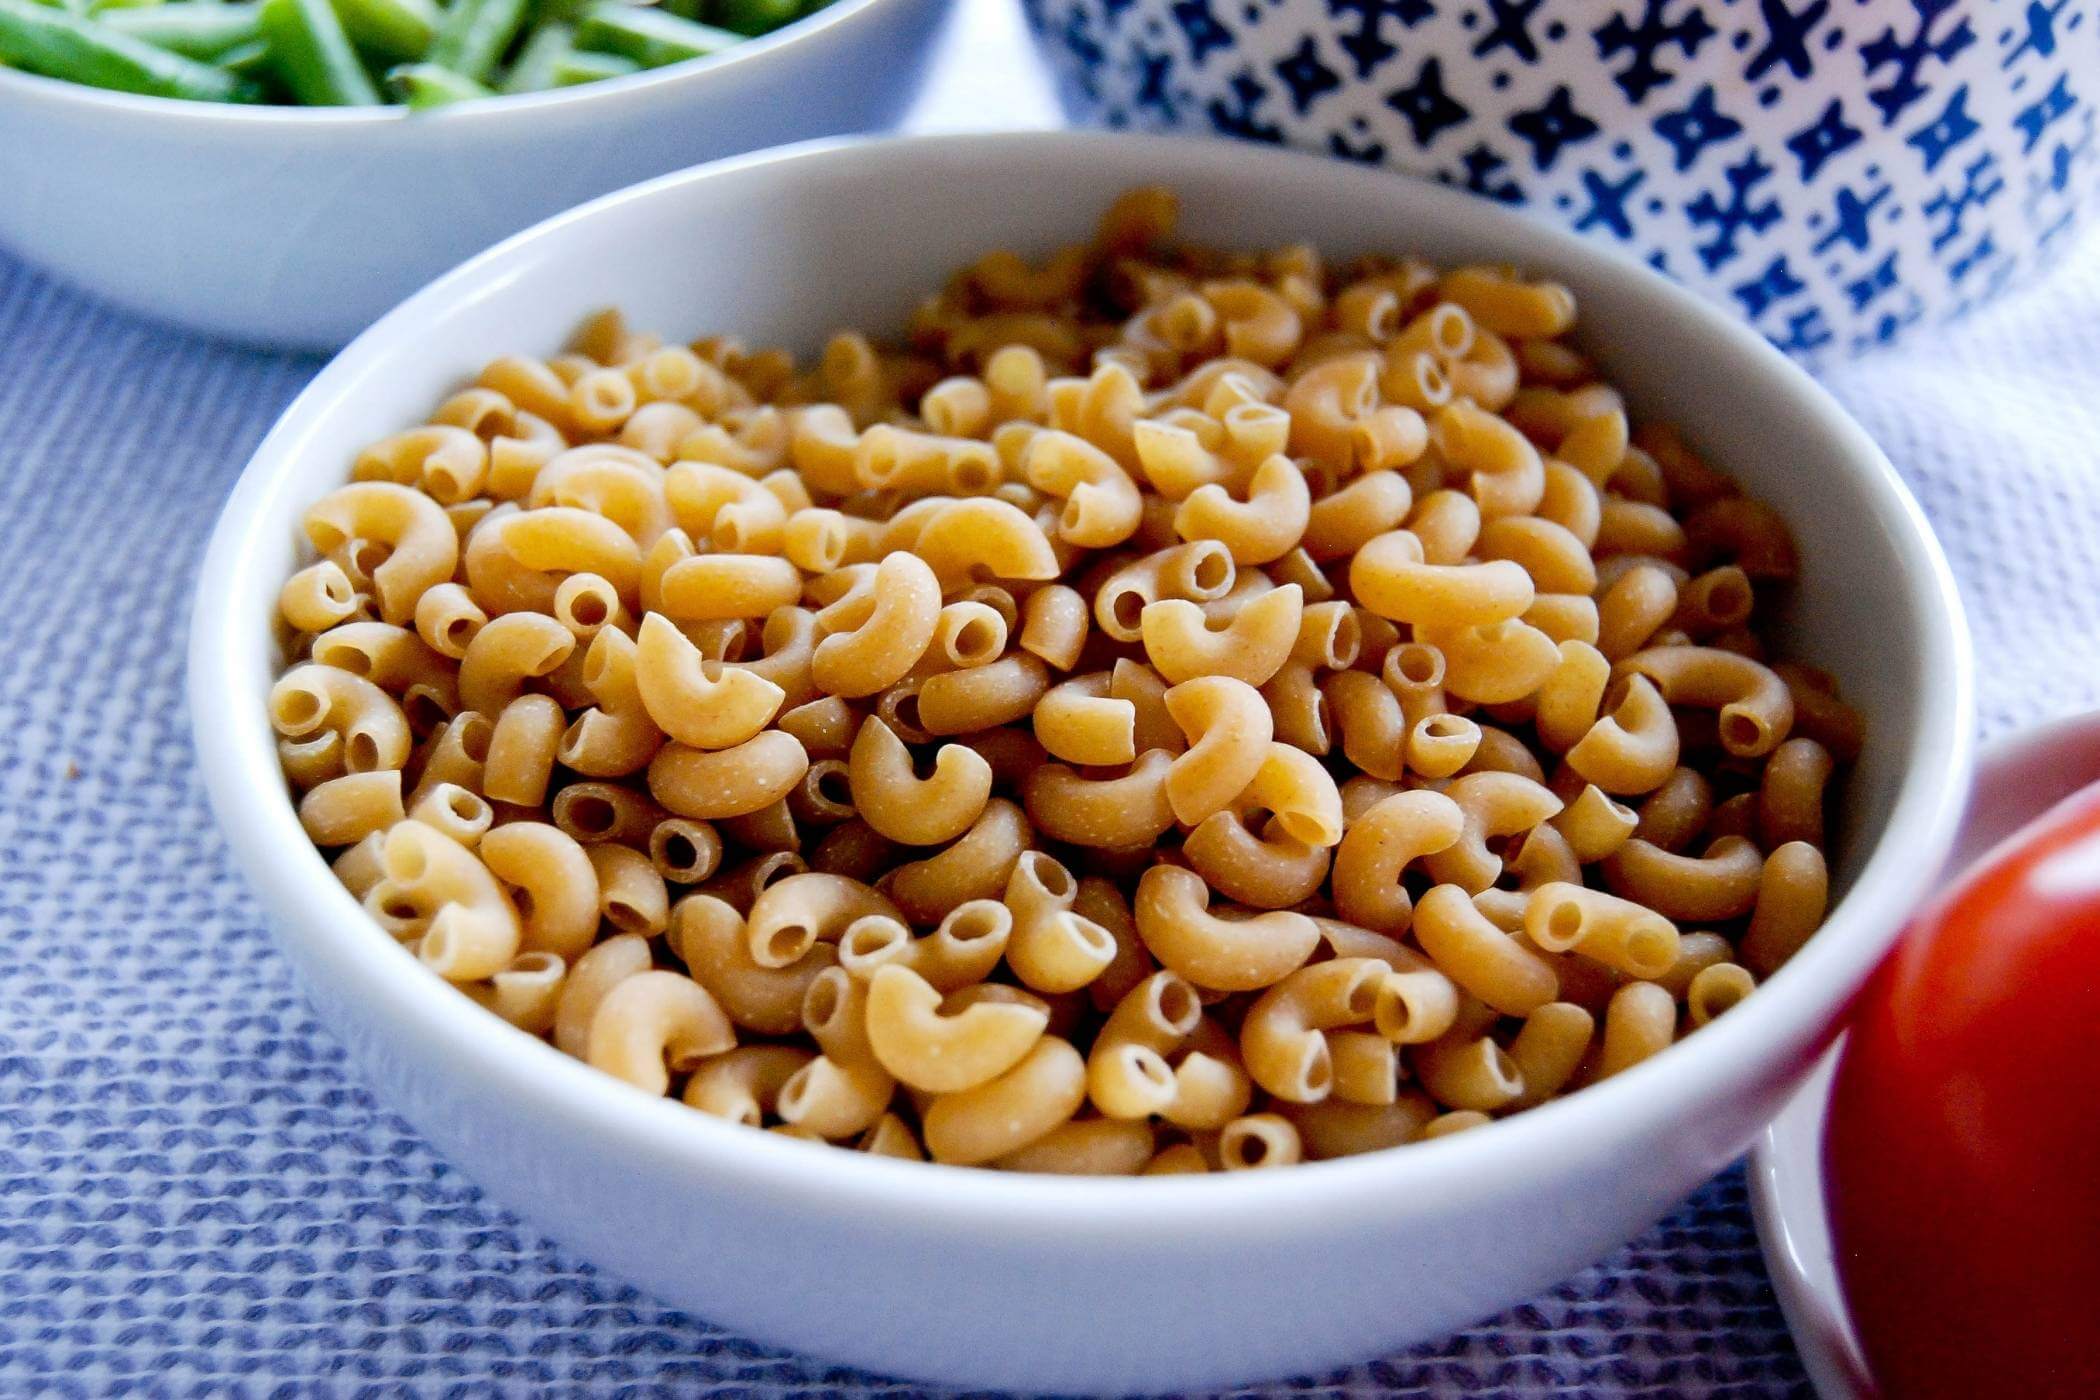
<point x="1062" y="1283"/>
<point x="1836" y="171"/>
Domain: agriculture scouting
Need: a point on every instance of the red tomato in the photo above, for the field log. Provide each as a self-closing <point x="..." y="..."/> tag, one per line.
<point x="1962" y="1159"/>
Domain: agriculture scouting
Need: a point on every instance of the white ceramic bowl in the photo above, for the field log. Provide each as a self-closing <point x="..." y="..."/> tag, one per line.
<point x="2018" y="778"/>
<point x="297" y="227"/>
<point x="1048" y="1283"/>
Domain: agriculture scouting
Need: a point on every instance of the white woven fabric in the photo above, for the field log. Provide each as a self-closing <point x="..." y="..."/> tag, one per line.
<point x="197" y="1198"/>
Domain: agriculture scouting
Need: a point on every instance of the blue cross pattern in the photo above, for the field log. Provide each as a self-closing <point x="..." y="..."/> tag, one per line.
<point x="1367" y="43"/>
<point x="1700" y="124"/>
<point x="1607" y="206"/>
<point x="1776" y="283"/>
<point x="1645" y="39"/>
<point x="1909" y="55"/>
<point x="1787" y="34"/>
<point x="1551" y="126"/>
<point x="1944" y="132"/>
<point x="1430" y="111"/>
<point x="1741" y="212"/>
<point x="1307" y="77"/>
<point x="1823" y="138"/>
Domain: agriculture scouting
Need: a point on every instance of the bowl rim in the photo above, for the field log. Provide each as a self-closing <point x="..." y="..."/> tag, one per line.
<point x="82" y="97"/>
<point x="239" y="765"/>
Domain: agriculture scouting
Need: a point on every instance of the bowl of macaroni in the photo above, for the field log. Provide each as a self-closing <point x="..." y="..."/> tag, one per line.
<point x="1187" y="747"/>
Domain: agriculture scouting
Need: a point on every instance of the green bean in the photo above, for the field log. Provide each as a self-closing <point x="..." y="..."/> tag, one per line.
<point x="756" y="16"/>
<point x="474" y="35"/>
<point x="426" y="85"/>
<point x="250" y="60"/>
<point x="583" y="66"/>
<point x="650" y="38"/>
<point x="389" y="30"/>
<point x="533" y="69"/>
<point x="313" y="56"/>
<point x="195" y="31"/>
<point x="61" y="45"/>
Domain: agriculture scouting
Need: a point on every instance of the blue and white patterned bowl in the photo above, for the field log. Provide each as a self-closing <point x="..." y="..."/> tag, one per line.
<point x="1837" y="171"/>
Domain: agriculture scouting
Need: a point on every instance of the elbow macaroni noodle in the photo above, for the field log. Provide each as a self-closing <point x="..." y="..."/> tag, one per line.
<point x="1183" y="711"/>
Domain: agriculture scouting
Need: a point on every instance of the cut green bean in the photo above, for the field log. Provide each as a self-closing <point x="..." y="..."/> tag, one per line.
<point x="584" y="66"/>
<point x="474" y="35"/>
<point x="313" y="56"/>
<point x="533" y="69"/>
<point x="648" y="36"/>
<point x="57" y="44"/>
<point x="426" y="85"/>
<point x="250" y="60"/>
<point x="195" y="31"/>
<point x="397" y="31"/>
<point x="755" y="16"/>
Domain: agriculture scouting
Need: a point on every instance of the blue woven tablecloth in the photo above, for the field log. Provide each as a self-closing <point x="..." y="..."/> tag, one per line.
<point x="197" y="1197"/>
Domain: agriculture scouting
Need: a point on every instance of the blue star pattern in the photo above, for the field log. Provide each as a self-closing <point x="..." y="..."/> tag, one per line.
<point x="1777" y="155"/>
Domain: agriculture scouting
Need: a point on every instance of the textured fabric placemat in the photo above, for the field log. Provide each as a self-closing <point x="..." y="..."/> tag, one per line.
<point x="196" y="1196"/>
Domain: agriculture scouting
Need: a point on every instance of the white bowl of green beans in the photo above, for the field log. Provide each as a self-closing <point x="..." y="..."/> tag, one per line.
<point x="282" y="171"/>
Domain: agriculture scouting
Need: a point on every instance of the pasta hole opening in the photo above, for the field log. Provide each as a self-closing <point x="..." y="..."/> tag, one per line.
<point x="787" y="943"/>
<point x="625" y="917"/>
<point x="1728" y="600"/>
<point x="456" y="633"/>
<point x="1317" y="1075"/>
<point x="1177" y="1005"/>
<point x="1505" y="1069"/>
<point x="1449" y="331"/>
<point x="299" y="709"/>
<point x="436" y="947"/>
<point x="1245" y="1149"/>
<point x="424" y="708"/>
<point x="361" y="752"/>
<point x="1418" y="664"/>
<point x="1564" y="924"/>
<point x="794" y="1095"/>
<point x="1345" y="643"/>
<point x="533" y="965"/>
<point x="1651" y="949"/>
<point x="905" y="711"/>
<point x="976" y="641"/>
<point x="1151" y="1070"/>
<point x="775" y="868"/>
<point x="1127" y="607"/>
<point x="1055" y="880"/>
<point x="835" y="786"/>
<point x="977" y="922"/>
<point x="1445" y="727"/>
<point x="1093" y="939"/>
<point x="589" y="610"/>
<point x="1741" y="733"/>
<point x="400" y="908"/>
<point x="823" y="1003"/>
<point x="1362" y="998"/>
<point x="1211" y="571"/>
<point x="466" y="806"/>
<point x="475" y="733"/>
<point x="869" y="938"/>
<point x="679" y="852"/>
<point x="592" y="816"/>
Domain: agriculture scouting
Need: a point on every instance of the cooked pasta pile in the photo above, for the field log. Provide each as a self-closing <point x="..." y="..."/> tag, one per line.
<point x="1189" y="710"/>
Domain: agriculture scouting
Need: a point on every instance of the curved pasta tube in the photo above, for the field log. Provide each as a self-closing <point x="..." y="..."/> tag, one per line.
<point x="1199" y="571"/>
<point x="705" y="587"/>
<point x="653" y="1020"/>
<point x="1086" y="1147"/>
<point x="1634" y="748"/>
<point x="1225" y="955"/>
<point x="617" y="736"/>
<point x="1508" y="475"/>
<point x="698" y="703"/>
<point x="876" y="637"/>
<point x="709" y="935"/>
<point x="789" y="918"/>
<point x="590" y="977"/>
<point x="1259" y="529"/>
<point x="619" y="483"/>
<point x="1300" y="791"/>
<point x="974" y="867"/>
<point x="1380" y="845"/>
<point x="983" y="697"/>
<point x="1721" y="884"/>
<point x="1479" y="957"/>
<point x="474" y="931"/>
<point x="1274" y="870"/>
<point x="1009" y="1112"/>
<point x="1229" y="729"/>
<point x="1282" y="1038"/>
<point x="961" y="952"/>
<point x="1252" y="647"/>
<point x="1101" y="503"/>
<point x="985" y="536"/>
<point x="508" y="652"/>
<point x="448" y="463"/>
<point x="1494" y="804"/>
<point x="1343" y="522"/>
<point x="894" y="800"/>
<point x="1108" y="812"/>
<point x="836" y="1099"/>
<point x="565" y="540"/>
<point x="1756" y="708"/>
<point x="312" y="699"/>
<point x="1052" y="949"/>
<point x="1625" y="936"/>
<point x="1389" y="576"/>
<point x="424" y="548"/>
<point x="1493" y="664"/>
<point x="743" y="1084"/>
<point x="1079" y="722"/>
<point x="942" y="1053"/>
<point x="729" y="511"/>
<point x="557" y="881"/>
<point x="1746" y="531"/>
<point x="732" y="782"/>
